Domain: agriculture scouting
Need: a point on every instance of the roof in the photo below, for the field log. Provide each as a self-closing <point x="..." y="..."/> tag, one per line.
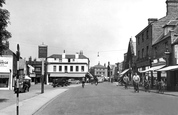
<point x="68" y="56"/>
<point x="171" y="23"/>
<point x="100" y="66"/>
<point x="162" y="36"/>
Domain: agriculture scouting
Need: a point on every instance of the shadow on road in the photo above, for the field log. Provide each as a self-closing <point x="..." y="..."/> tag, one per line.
<point x="3" y="100"/>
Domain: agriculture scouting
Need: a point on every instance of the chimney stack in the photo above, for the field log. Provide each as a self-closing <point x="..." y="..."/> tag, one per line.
<point x="151" y="20"/>
<point x="172" y="7"/>
<point x="64" y="55"/>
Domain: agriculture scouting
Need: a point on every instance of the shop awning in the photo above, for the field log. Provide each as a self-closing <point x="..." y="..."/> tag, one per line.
<point x="169" y="68"/>
<point x="143" y="71"/>
<point x="156" y="68"/>
<point x="152" y="68"/>
<point x="67" y="75"/>
<point x="126" y="70"/>
<point x="27" y="77"/>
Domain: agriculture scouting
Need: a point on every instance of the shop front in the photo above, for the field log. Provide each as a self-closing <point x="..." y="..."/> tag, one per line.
<point x="6" y="68"/>
<point x="172" y="77"/>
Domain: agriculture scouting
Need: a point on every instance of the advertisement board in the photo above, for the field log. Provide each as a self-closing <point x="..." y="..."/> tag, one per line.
<point x="42" y="51"/>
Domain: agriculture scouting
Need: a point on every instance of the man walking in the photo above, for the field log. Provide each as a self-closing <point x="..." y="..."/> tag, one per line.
<point x="126" y="80"/>
<point x="136" y="80"/>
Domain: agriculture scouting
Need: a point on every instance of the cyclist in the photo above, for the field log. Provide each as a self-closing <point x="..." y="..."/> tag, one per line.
<point x="83" y="82"/>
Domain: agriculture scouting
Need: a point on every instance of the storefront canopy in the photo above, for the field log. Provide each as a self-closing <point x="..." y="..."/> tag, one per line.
<point x="27" y="77"/>
<point x="126" y="70"/>
<point x="152" y="68"/>
<point x="169" y="68"/>
<point x="156" y="68"/>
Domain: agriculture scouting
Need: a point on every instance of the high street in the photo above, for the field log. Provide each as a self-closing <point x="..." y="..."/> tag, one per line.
<point x="109" y="99"/>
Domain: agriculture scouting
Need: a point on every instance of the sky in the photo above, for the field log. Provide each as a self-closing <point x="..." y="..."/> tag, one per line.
<point x="95" y="27"/>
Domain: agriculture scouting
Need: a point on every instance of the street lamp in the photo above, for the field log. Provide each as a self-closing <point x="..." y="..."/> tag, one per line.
<point x="167" y="53"/>
<point x="150" y="63"/>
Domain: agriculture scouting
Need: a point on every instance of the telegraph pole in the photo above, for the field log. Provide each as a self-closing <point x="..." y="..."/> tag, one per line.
<point x="42" y="53"/>
<point x="17" y="81"/>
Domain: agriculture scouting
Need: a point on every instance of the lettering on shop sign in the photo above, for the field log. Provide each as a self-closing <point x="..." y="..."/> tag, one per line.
<point x="2" y="62"/>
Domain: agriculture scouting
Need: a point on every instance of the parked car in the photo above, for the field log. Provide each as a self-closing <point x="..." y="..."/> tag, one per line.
<point x="60" y="82"/>
<point x="73" y="81"/>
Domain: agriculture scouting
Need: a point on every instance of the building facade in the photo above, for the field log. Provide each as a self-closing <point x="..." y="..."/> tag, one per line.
<point x="99" y="70"/>
<point x="166" y="48"/>
<point x="149" y="36"/>
<point x="67" y="65"/>
<point x="8" y="69"/>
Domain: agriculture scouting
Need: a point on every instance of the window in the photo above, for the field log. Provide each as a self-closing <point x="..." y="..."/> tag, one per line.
<point x="143" y="53"/>
<point x="71" y="68"/>
<point x="69" y="60"/>
<point x="60" y="68"/>
<point x="155" y="52"/>
<point x="138" y="54"/>
<point x="60" y="60"/>
<point x="143" y="37"/>
<point x="82" y="68"/>
<point x="147" y="36"/>
<point x="54" y="68"/>
<point x="147" y="48"/>
<point x="37" y="69"/>
<point x="76" y="68"/>
<point x="166" y="45"/>
<point x="138" y="40"/>
<point x="65" y="68"/>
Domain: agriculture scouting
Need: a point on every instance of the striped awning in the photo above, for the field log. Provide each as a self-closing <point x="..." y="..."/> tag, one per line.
<point x="126" y="70"/>
<point x="169" y="68"/>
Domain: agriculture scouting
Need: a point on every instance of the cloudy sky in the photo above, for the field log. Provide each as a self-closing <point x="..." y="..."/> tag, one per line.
<point x="93" y="26"/>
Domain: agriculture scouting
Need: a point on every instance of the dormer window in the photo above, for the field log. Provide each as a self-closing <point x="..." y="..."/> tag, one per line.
<point x="167" y="30"/>
<point x="170" y="26"/>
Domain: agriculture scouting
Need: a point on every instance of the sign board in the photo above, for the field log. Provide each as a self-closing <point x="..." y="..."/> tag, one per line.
<point x="6" y="64"/>
<point x="176" y="53"/>
<point x="42" y="51"/>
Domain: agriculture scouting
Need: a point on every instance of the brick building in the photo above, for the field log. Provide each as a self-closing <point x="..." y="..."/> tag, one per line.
<point x="166" y="47"/>
<point x="150" y="35"/>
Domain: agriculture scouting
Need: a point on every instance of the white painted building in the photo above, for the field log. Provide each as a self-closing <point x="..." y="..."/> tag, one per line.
<point x="6" y="70"/>
<point x="67" y="65"/>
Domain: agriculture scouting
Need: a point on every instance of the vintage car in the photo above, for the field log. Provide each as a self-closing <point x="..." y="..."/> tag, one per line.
<point x="24" y="84"/>
<point x="60" y="82"/>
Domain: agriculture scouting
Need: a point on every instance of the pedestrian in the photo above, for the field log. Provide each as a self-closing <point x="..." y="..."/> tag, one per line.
<point x="147" y="84"/>
<point x="83" y="82"/>
<point x="126" y="81"/>
<point x="136" y="80"/>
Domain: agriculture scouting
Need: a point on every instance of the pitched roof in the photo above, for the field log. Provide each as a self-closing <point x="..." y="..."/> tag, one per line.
<point x="68" y="56"/>
<point x="100" y="66"/>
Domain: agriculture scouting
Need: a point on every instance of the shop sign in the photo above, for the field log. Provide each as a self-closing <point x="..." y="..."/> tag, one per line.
<point x="42" y="51"/>
<point x="4" y="76"/>
<point x="176" y="53"/>
<point x="5" y="63"/>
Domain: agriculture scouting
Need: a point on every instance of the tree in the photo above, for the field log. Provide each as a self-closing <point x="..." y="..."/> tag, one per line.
<point x="4" y="21"/>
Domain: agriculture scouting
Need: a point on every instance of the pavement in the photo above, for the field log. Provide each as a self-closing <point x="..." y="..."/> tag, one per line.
<point x="29" y="102"/>
<point x="170" y="93"/>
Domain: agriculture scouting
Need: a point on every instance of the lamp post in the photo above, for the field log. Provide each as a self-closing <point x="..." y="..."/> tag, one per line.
<point x="150" y="63"/>
<point x="167" y="54"/>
